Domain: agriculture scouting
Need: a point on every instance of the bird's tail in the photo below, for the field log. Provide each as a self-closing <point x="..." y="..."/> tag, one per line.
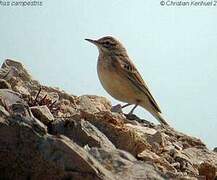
<point x="156" y="113"/>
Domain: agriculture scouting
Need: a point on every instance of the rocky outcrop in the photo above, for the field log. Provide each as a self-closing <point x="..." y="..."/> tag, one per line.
<point x="46" y="133"/>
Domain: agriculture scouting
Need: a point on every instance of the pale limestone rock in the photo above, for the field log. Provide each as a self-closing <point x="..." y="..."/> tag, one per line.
<point x="42" y="113"/>
<point x="93" y="104"/>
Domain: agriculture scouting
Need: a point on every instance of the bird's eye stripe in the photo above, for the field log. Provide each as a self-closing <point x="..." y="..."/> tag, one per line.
<point x="109" y="43"/>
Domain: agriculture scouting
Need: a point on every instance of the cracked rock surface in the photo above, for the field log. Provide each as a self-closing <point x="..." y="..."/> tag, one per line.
<point x="46" y="133"/>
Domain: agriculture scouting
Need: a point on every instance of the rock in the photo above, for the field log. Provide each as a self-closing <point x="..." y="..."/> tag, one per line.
<point x="10" y="97"/>
<point x="143" y="131"/>
<point x="4" y="84"/>
<point x="160" y="162"/>
<point x="3" y="112"/>
<point x="19" y="155"/>
<point x="18" y="77"/>
<point x="27" y="153"/>
<point x="62" y="136"/>
<point x="152" y="137"/>
<point x="122" y="136"/>
<point x="20" y="109"/>
<point x="185" y="165"/>
<point x="82" y="132"/>
<point x="13" y="103"/>
<point x="215" y="149"/>
<point x="156" y="139"/>
<point x="148" y="155"/>
<point x="43" y="114"/>
<point x="200" y="155"/>
<point x="93" y="104"/>
<point x="62" y="95"/>
<point x="125" y="166"/>
<point x="16" y="69"/>
<point x="74" y="161"/>
<point x="208" y="170"/>
<point x="66" y="109"/>
<point x="22" y="90"/>
<point x="173" y="136"/>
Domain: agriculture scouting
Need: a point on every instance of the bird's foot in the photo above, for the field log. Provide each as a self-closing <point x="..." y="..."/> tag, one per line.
<point x="133" y="118"/>
<point x="117" y="108"/>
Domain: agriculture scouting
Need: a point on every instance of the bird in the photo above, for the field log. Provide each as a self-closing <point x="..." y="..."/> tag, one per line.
<point x="121" y="79"/>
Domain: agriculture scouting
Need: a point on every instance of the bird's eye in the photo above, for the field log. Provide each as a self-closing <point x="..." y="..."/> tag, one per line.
<point x="106" y="43"/>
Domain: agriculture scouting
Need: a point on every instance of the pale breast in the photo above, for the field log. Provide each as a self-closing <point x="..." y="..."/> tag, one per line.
<point x="116" y="84"/>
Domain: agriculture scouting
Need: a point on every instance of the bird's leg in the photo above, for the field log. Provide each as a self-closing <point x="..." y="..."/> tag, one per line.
<point x="122" y="107"/>
<point x="131" y="112"/>
<point x="118" y="108"/>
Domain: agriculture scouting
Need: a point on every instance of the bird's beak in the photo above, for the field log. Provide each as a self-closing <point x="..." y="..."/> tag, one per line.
<point x="92" y="41"/>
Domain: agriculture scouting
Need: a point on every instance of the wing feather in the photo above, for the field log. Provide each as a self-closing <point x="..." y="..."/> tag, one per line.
<point x="134" y="76"/>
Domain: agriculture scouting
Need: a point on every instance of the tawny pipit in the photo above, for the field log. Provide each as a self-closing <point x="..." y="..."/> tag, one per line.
<point x="121" y="79"/>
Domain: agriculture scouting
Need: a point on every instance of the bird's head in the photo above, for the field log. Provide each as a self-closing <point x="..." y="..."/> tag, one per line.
<point x="107" y="44"/>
